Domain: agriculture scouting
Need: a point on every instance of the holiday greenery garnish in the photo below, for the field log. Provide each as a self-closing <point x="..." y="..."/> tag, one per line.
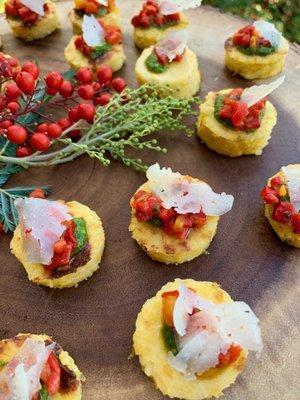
<point x="102" y="117"/>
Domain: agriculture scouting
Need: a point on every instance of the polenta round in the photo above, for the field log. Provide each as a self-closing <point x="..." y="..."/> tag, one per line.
<point x="232" y="142"/>
<point x="255" y="66"/>
<point x="96" y="239"/>
<point x="9" y="348"/>
<point x="146" y="37"/>
<point x="111" y="18"/>
<point x="149" y="346"/>
<point x="284" y="231"/>
<point x="168" y="249"/>
<point x="113" y="58"/>
<point x="43" y="27"/>
<point x="181" y="79"/>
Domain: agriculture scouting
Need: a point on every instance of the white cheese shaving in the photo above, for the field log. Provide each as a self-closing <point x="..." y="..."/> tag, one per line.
<point x="36" y="6"/>
<point x="20" y="379"/>
<point x="102" y="2"/>
<point x="173" y="44"/>
<point x="93" y="33"/>
<point x="185" y="195"/>
<point x="292" y="178"/>
<point x="168" y="7"/>
<point x="255" y="93"/>
<point x="269" y="32"/>
<point x="204" y="335"/>
<point x="41" y="225"/>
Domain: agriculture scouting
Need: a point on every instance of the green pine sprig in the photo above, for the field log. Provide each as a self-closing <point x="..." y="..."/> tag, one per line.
<point x="8" y="212"/>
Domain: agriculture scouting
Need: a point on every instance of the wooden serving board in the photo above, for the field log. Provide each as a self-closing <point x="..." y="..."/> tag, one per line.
<point x="95" y="322"/>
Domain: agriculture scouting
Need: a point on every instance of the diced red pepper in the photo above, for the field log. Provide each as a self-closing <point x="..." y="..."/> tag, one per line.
<point x="168" y="303"/>
<point x="269" y="195"/>
<point x="231" y="356"/>
<point x="283" y="212"/>
<point x="296" y="223"/>
<point x="277" y="181"/>
<point x="51" y="374"/>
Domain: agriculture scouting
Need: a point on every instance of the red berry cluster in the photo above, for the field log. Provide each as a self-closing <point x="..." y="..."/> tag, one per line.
<point x="21" y="82"/>
<point x="16" y="9"/>
<point x="150" y="16"/>
<point x="243" y="38"/>
<point x="239" y="114"/>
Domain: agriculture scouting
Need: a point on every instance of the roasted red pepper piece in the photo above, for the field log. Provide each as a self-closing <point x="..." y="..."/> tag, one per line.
<point x="168" y="303"/>
<point x="51" y="374"/>
<point x="283" y="212"/>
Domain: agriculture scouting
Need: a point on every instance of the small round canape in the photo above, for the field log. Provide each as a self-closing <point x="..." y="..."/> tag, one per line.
<point x="174" y="69"/>
<point x="104" y="10"/>
<point x="75" y="250"/>
<point x="35" y="367"/>
<point x="282" y="203"/>
<point x="228" y="126"/>
<point x="192" y="339"/>
<point x="83" y="52"/>
<point x="153" y="23"/>
<point x="33" y="21"/>
<point x="174" y="217"/>
<point x="256" y="51"/>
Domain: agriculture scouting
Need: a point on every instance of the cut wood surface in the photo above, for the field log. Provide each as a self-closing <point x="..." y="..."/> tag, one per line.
<point x="95" y="322"/>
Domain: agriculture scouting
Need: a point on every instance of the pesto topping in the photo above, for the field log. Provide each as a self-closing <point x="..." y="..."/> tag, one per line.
<point x="80" y="234"/>
<point x="219" y="103"/>
<point x="169" y="339"/>
<point x="3" y="363"/>
<point x="100" y="50"/>
<point x="257" y="51"/>
<point x="44" y="394"/>
<point x="154" y="65"/>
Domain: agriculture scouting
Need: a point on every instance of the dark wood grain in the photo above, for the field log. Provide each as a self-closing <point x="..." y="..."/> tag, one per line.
<point x="95" y="322"/>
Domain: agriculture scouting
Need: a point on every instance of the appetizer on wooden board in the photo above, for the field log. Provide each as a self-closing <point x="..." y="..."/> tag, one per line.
<point x="174" y="217"/>
<point x="157" y="19"/>
<point x="256" y="51"/>
<point x="192" y="339"/>
<point x="239" y="121"/>
<point x="282" y="203"/>
<point x="31" y="19"/>
<point x="100" y="44"/>
<point x="34" y="367"/>
<point x="103" y="10"/>
<point x="171" y="65"/>
<point x="59" y="244"/>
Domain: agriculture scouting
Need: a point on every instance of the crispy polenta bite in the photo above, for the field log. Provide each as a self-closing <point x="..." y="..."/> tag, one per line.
<point x="192" y="339"/>
<point x="104" y="10"/>
<point x="31" y="19"/>
<point x="59" y="244"/>
<point x="256" y="51"/>
<point x="239" y="121"/>
<point x="100" y="44"/>
<point x="174" y="217"/>
<point x="34" y="367"/>
<point x="282" y="203"/>
<point x="171" y="65"/>
<point x="158" y="18"/>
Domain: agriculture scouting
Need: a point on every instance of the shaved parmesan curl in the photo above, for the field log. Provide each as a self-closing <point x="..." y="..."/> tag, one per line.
<point x="213" y="329"/>
<point x="292" y="177"/>
<point x="173" y="44"/>
<point x="102" y="2"/>
<point x="186" y="195"/>
<point x="168" y="7"/>
<point x="41" y="225"/>
<point x="20" y="379"/>
<point x="93" y="33"/>
<point x="36" y="6"/>
<point x="255" y="93"/>
<point x="269" y="32"/>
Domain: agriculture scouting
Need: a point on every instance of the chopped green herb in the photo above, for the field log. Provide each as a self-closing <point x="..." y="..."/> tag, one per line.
<point x="100" y="50"/>
<point x="44" y="395"/>
<point x="154" y="65"/>
<point x="102" y="11"/>
<point x="2" y="363"/>
<point x="257" y="51"/>
<point x="80" y="234"/>
<point x="155" y="222"/>
<point x="169" y="339"/>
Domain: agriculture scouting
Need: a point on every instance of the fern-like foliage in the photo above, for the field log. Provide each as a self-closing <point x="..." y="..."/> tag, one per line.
<point x="8" y="212"/>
